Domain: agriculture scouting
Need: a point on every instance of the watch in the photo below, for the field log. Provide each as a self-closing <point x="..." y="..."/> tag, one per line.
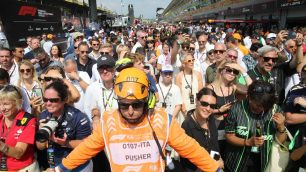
<point x="4" y="148"/>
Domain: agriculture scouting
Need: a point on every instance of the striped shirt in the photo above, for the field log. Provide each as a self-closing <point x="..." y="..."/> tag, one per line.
<point x="242" y="122"/>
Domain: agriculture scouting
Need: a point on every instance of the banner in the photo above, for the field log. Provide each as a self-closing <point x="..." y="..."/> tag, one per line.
<point x="21" y="19"/>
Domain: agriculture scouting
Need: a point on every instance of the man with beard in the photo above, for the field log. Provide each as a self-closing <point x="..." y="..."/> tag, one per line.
<point x="267" y="70"/>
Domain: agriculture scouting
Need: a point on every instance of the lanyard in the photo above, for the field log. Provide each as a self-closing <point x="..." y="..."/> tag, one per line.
<point x="189" y="85"/>
<point x="107" y="101"/>
<point x="3" y="137"/>
<point x="263" y="77"/>
<point x="163" y="93"/>
<point x="228" y="93"/>
<point x="200" y="59"/>
<point x="13" y="70"/>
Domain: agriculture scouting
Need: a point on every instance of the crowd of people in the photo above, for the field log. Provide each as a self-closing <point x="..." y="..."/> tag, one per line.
<point x="154" y="98"/>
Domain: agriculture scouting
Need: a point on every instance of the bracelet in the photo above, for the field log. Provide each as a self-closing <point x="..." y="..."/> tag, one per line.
<point x="298" y="45"/>
<point x="283" y="131"/>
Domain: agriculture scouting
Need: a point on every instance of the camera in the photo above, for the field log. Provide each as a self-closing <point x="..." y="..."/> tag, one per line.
<point x="46" y="131"/>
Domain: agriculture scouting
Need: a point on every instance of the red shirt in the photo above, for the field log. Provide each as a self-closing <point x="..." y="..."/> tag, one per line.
<point x="22" y="130"/>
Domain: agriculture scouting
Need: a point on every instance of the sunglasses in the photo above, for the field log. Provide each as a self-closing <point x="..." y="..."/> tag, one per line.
<point x="219" y="51"/>
<point x="210" y="53"/>
<point x="51" y="100"/>
<point x="233" y="71"/>
<point x="95" y="44"/>
<point x="267" y="59"/>
<point x="107" y="68"/>
<point x="185" y="47"/>
<point x="9" y="88"/>
<point x="206" y="104"/>
<point x="144" y="37"/>
<point x="135" y="105"/>
<point x="261" y="89"/>
<point x="42" y="60"/>
<point x="75" y="47"/>
<point x="232" y="57"/>
<point x="84" y="52"/>
<point x="189" y="61"/>
<point x="104" y="53"/>
<point x="167" y="73"/>
<point x="25" y="70"/>
<point x="47" y="79"/>
<point x="21" y="51"/>
<point x="291" y="46"/>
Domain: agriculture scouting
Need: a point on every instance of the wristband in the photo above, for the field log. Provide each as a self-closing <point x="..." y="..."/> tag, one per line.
<point x="298" y="45"/>
<point x="245" y="74"/>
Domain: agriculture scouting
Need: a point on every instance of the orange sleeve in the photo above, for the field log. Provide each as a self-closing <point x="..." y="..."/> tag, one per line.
<point x="189" y="148"/>
<point x="92" y="145"/>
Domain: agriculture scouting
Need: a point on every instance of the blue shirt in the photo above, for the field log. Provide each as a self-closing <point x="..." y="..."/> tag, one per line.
<point x="74" y="123"/>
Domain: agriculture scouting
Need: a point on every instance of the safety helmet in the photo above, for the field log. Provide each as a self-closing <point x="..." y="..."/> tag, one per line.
<point x="132" y="83"/>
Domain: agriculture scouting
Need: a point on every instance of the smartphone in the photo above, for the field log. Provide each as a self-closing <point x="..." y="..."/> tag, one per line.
<point x="146" y="67"/>
<point x="37" y="92"/>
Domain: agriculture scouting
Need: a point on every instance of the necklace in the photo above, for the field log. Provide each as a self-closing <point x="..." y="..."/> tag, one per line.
<point x="228" y="93"/>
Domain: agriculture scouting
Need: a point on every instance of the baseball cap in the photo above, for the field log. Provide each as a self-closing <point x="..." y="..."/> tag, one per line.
<point x="237" y="36"/>
<point x="105" y="60"/>
<point x="77" y="34"/>
<point x="271" y="36"/>
<point x="167" y="68"/>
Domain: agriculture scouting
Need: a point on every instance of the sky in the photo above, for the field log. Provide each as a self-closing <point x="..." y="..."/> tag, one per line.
<point x="145" y="7"/>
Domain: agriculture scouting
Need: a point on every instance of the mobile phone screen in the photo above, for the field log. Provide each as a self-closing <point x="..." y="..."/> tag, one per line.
<point x="37" y="92"/>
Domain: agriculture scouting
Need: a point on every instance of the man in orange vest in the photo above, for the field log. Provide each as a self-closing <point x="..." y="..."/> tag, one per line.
<point x="134" y="136"/>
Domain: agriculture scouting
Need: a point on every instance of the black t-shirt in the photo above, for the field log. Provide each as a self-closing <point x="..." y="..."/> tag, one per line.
<point x="208" y="139"/>
<point x="87" y="67"/>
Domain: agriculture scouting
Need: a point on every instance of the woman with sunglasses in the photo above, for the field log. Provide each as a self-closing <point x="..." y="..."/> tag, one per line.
<point x="189" y="81"/>
<point x="200" y="125"/>
<point x="29" y="83"/>
<point x="225" y="87"/>
<point x="17" y="133"/>
<point x="72" y="125"/>
<point x="56" y="54"/>
<point x="251" y="127"/>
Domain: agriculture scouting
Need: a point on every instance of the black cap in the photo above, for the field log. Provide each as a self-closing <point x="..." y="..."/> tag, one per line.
<point x="105" y="60"/>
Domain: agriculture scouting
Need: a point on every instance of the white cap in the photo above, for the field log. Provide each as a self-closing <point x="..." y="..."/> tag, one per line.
<point x="167" y="68"/>
<point x="271" y="35"/>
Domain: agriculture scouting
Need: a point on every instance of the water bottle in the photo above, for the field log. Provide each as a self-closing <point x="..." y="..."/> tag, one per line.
<point x="50" y="152"/>
<point x="258" y="133"/>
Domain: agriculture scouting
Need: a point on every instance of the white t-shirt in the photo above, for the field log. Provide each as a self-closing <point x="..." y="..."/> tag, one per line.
<point x="97" y="96"/>
<point x="95" y="74"/>
<point x="137" y="45"/>
<point x="85" y="77"/>
<point x="176" y="66"/>
<point x="172" y="95"/>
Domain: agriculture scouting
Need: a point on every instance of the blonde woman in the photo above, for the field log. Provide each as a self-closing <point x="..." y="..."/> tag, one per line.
<point x="189" y="81"/>
<point x="225" y="88"/>
<point x="29" y="82"/>
<point x="17" y="133"/>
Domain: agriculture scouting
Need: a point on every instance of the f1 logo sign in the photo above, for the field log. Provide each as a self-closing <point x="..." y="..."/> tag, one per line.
<point x="27" y="10"/>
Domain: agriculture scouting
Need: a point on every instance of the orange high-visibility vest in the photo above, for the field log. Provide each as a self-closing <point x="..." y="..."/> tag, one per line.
<point x="133" y="148"/>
